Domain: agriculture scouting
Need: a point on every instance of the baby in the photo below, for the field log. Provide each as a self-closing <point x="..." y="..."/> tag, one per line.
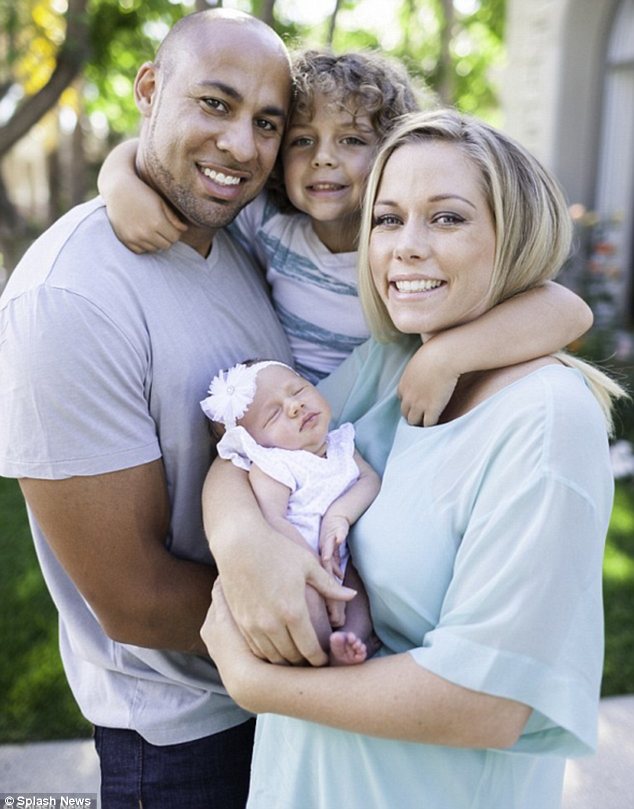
<point x="311" y="484"/>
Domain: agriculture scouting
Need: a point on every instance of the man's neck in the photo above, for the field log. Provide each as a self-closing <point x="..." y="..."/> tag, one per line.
<point x="201" y="240"/>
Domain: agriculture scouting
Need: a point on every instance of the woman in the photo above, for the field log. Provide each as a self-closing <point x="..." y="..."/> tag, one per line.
<point x="482" y="553"/>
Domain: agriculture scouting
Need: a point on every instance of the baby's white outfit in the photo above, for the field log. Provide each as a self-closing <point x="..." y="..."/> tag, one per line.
<point x="315" y="482"/>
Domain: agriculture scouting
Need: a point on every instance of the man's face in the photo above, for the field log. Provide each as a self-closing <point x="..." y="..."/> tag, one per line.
<point x="214" y="122"/>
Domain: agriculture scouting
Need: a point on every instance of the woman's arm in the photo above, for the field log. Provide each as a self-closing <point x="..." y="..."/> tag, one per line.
<point x="264" y="574"/>
<point x="139" y="216"/>
<point x="391" y="697"/>
<point x="532" y="324"/>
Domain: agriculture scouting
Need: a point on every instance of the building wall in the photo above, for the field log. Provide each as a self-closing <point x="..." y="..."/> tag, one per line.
<point x="557" y="101"/>
<point x="553" y="84"/>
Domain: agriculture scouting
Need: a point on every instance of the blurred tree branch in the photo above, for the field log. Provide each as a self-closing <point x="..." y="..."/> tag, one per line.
<point x="71" y="58"/>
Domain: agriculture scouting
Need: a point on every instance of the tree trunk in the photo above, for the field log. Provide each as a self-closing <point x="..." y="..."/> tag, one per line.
<point x="332" y="24"/>
<point x="12" y="231"/>
<point x="55" y="195"/>
<point x="446" y="75"/>
<point x="10" y="219"/>
<point x="266" y="12"/>
<point x="77" y="168"/>
<point x="70" y="61"/>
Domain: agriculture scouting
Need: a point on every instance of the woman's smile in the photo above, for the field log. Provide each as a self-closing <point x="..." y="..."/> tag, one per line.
<point x="432" y="244"/>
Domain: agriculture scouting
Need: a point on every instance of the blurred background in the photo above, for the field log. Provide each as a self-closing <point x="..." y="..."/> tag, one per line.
<point x="556" y="74"/>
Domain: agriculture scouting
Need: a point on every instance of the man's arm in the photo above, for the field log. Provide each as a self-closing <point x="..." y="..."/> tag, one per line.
<point x="108" y="532"/>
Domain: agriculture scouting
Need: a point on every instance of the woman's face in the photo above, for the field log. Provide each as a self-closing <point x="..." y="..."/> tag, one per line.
<point x="432" y="243"/>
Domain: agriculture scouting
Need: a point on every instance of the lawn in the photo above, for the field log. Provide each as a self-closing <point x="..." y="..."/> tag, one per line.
<point x="36" y="700"/>
<point x="37" y="703"/>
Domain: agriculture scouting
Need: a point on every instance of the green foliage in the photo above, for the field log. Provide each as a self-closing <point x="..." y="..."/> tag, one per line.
<point x="123" y="36"/>
<point x="618" y="591"/>
<point x="10" y="23"/>
<point x="36" y="700"/>
<point x="125" y="33"/>
<point x="37" y="703"/>
<point x="475" y="48"/>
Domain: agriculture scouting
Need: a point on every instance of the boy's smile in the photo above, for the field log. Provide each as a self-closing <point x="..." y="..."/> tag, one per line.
<point x="326" y="161"/>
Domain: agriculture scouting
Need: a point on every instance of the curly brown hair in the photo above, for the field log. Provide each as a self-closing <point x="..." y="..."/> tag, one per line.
<point x="368" y="81"/>
<point x="364" y="81"/>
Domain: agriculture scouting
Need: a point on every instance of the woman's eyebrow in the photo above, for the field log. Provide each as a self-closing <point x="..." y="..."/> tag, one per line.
<point x="443" y="197"/>
<point x="389" y="203"/>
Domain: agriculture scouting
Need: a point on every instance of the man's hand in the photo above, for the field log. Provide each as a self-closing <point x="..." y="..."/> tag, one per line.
<point x="265" y="588"/>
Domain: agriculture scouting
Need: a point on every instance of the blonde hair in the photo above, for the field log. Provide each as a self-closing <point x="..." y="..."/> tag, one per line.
<point x="533" y="228"/>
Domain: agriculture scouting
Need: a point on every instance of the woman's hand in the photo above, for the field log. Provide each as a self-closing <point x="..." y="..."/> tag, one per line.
<point x="265" y="585"/>
<point x="236" y="663"/>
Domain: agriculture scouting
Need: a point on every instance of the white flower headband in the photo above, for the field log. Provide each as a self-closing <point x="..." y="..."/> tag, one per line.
<point x="231" y="392"/>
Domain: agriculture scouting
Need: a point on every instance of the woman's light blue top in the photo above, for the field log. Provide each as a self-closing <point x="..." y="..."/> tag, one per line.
<point x="482" y="559"/>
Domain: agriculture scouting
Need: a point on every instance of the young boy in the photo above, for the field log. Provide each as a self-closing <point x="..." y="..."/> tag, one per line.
<point x="306" y="238"/>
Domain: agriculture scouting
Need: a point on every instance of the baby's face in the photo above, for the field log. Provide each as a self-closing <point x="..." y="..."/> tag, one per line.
<point x="327" y="159"/>
<point x="287" y="412"/>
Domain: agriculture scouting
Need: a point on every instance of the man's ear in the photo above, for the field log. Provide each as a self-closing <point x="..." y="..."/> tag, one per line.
<point x="145" y="87"/>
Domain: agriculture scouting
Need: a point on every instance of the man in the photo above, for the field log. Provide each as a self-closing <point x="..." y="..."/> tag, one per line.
<point x="104" y="357"/>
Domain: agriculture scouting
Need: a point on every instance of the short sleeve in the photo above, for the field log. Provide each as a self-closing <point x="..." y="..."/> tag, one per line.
<point x="72" y="400"/>
<point x="342" y="440"/>
<point x="237" y="446"/>
<point x="362" y="390"/>
<point x="522" y="616"/>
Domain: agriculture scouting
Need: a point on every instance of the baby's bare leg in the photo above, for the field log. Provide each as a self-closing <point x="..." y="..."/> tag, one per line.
<point x="356" y="641"/>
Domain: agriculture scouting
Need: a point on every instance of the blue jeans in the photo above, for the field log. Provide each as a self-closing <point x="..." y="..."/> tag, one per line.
<point x="208" y="773"/>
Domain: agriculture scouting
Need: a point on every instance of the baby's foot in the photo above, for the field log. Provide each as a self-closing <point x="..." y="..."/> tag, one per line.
<point x="346" y="649"/>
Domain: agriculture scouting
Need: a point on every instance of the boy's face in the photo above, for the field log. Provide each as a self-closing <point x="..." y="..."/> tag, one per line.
<point x="326" y="160"/>
<point x="287" y="412"/>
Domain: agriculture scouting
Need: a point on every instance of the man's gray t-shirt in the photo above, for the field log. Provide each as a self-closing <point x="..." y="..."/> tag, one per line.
<point x="104" y="357"/>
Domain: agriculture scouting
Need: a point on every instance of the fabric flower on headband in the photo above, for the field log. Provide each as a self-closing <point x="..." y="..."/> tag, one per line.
<point x="231" y="392"/>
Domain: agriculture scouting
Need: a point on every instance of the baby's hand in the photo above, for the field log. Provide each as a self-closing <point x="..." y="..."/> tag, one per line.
<point x="427" y="384"/>
<point x="336" y="612"/>
<point x="333" y="532"/>
<point x="144" y="222"/>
